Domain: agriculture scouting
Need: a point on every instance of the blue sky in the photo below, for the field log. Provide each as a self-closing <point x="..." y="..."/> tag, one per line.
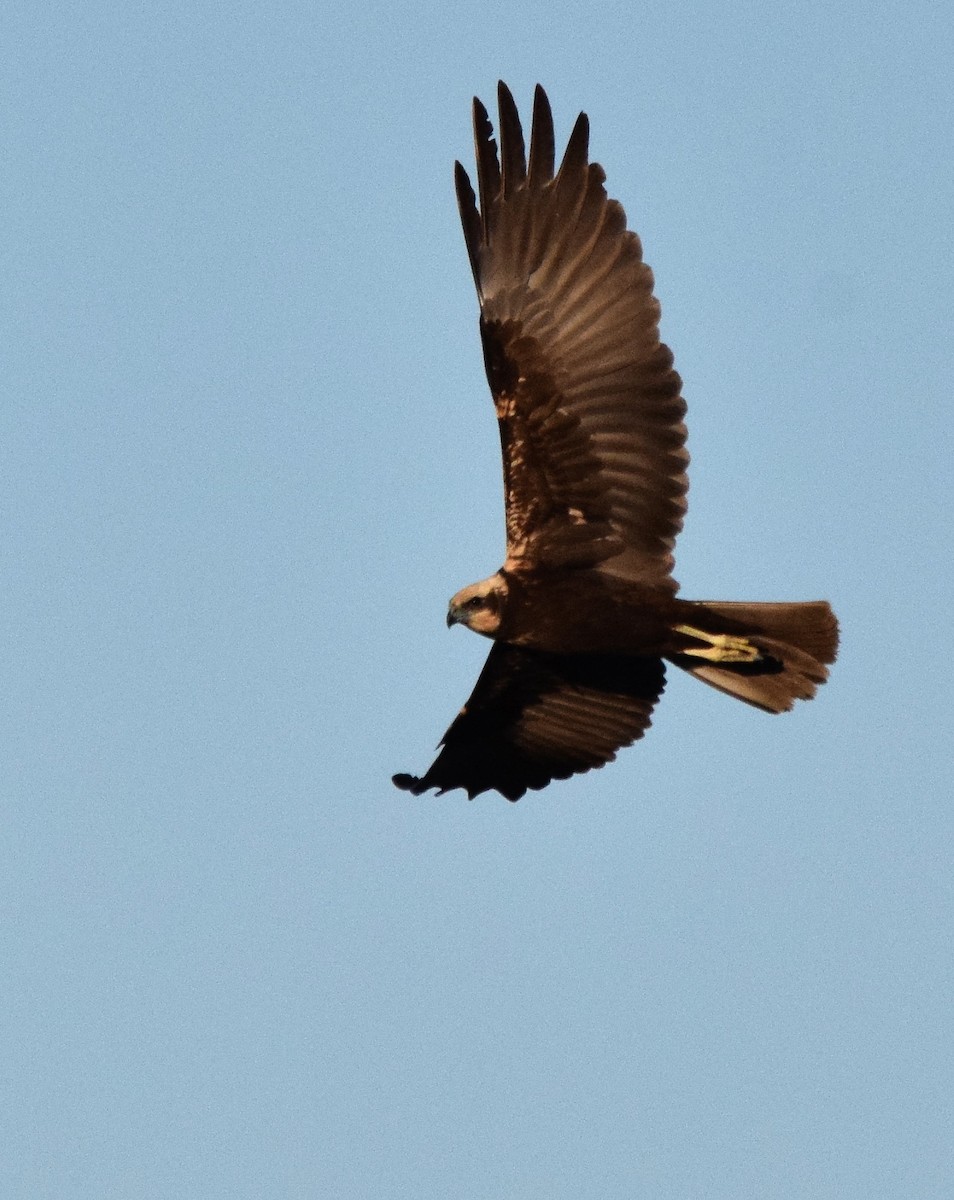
<point x="246" y="455"/>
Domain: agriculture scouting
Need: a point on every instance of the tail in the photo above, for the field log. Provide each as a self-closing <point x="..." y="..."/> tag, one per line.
<point x="795" y="642"/>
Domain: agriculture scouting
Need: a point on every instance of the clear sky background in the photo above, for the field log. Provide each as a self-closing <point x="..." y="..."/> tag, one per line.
<point x="247" y="453"/>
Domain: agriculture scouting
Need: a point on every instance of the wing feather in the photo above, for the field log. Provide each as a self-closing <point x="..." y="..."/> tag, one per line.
<point x="589" y="405"/>
<point x="577" y="149"/>
<point x="542" y="142"/>
<point x="469" y="219"/>
<point x="488" y="166"/>
<point x="512" y="152"/>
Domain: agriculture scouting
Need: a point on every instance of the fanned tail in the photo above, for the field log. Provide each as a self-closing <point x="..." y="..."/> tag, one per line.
<point x="796" y="642"/>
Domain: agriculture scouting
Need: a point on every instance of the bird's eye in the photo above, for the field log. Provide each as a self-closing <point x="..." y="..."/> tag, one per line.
<point x="474" y="602"/>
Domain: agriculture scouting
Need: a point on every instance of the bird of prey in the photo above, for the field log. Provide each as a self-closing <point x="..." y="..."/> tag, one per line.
<point x="583" y="613"/>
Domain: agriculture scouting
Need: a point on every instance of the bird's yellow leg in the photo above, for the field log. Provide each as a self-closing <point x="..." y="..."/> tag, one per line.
<point x="719" y="647"/>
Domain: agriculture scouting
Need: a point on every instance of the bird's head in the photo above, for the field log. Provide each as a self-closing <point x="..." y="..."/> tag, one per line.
<point x="479" y="606"/>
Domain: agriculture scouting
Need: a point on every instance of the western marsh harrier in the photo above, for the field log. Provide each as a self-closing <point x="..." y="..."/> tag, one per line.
<point x="584" y="612"/>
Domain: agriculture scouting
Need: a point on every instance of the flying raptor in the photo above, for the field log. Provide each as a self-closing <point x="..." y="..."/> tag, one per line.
<point x="583" y="613"/>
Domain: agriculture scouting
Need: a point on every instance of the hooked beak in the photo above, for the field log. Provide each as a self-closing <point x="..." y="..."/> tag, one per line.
<point x="453" y="616"/>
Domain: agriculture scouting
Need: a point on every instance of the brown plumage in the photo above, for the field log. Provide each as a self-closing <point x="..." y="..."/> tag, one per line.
<point x="590" y="413"/>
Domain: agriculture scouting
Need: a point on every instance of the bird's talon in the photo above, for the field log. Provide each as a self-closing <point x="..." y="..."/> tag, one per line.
<point x="719" y="647"/>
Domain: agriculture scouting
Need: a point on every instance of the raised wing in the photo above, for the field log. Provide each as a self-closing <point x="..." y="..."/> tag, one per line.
<point x="534" y="717"/>
<point x="589" y="406"/>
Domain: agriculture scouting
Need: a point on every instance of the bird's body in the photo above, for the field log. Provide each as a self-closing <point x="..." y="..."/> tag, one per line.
<point x="583" y="611"/>
<point x="590" y="414"/>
